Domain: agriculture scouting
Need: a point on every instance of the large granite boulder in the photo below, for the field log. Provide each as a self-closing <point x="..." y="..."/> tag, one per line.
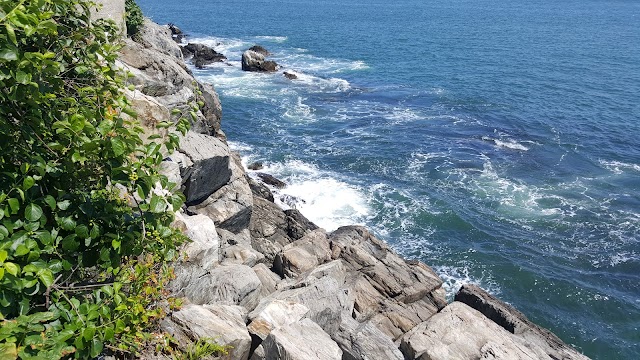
<point x="364" y="341"/>
<point x="254" y="61"/>
<point x="276" y="314"/>
<point x="230" y="206"/>
<point x="394" y="294"/>
<point x="302" y="340"/>
<point x="515" y="322"/>
<point x="204" y="246"/>
<point x="325" y="298"/>
<point x="208" y="169"/>
<point x="224" y="324"/>
<point x="459" y="332"/>
<point x="303" y="255"/>
<point x="228" y="284"/>
<point x="268" y="228"/>
<point x="158" y="37"/>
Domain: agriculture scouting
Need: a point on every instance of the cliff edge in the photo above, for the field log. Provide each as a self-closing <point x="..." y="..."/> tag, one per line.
<point x="271" y="284"/>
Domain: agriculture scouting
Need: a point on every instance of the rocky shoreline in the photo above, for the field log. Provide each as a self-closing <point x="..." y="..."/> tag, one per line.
<point x="271" y="284"/>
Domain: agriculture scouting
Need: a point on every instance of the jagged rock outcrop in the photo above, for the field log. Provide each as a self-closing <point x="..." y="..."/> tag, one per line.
<point x="515" y="322"/>
<point x="271" y="284"/>
<point x="201" y="54"/>
<point x="255" y="61"/>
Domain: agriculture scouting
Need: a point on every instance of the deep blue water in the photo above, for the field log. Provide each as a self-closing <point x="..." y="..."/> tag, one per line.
<point x="497" y="141"/>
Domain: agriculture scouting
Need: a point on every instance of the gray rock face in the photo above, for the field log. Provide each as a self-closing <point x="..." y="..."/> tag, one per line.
<point x="364" y="341"/>
<point x="254" y="61"/>
<point x="223" y="323"/>
<point x="326" y="299"/>
<point x="158" y="37"/>
<point x="515" y="322"/>
<point x="392" y="293"/>
<point x="241" y="254"/>
<point x="268" y="278"/>
<point x="276" y="314"/>
<point x="268" y="228"/>
<point x="204" y="246"/>
<point x="302" y="340"/>
<point x="259" y="189"/>
<point x="460" y="332"/>
<point x="231" y="206"/>
<point x="303" y="255"/>
<point x="297" y="224"/>
<point x="228" y="284"/>
<point x="112" y="10"/>
<point x="209" y="169"/>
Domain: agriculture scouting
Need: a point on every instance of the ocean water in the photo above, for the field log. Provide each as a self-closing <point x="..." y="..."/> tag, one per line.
<point x="497" y="141"/>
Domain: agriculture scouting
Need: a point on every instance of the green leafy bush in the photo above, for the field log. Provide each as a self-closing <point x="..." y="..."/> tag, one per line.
<point x="85" y="218"/>
<point x="133" y="17"/>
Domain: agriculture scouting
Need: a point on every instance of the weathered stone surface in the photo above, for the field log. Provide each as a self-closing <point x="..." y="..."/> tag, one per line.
<point x="515" y="322"/>
<point x="253" y="61"/>
<point x="259" y="189"/>
<point x="268" y="228"/>
<point x="158" y="37"/>
<point x="303" y="255"/>
<point x="326" y="299"/>
<point x="302" y="340"/>
<point x="255" y="166"/>
<point x="204" y="246"/>
<point x="268" y="278"/>
<point x="242" y="254"/>
<point x="364" y="341"/>
<point x="231" y="206"/>
<point x="460" y="332"/>
<point x="223" y="323"/>
<point x="210" y="170"/>
<point x="229" y="284"/>
<point x="389" y="273"/>
<point x="297" y="224"/>
<point x="276" y="314"/>
<point x="150" y="112"/>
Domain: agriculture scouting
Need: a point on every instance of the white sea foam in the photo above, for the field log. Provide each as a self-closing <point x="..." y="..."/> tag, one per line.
<point x="619" y="167"/>
<point x="299" y="111"/>
<point x="506" y="143"/>
<point x="275" y="39"/>
<point x="326" y="200"/>
<point x="454" y="277"/>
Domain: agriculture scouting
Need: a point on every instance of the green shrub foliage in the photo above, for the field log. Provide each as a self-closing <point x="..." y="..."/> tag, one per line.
<point x="84" y="216"/>
<point x="134" y="18"/>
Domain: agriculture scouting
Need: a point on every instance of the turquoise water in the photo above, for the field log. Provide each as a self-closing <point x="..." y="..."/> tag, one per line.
<point x="496" y="141"/>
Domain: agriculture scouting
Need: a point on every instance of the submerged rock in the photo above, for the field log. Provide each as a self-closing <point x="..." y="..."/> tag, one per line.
<point x="272" y="180"/>
<point x="260" y="50"/>
<point x="290" y="75"/>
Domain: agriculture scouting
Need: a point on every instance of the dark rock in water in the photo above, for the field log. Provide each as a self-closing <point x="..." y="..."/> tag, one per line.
<point x="260" y="50"/>
<point x="202" y="55"/>
<point x="176" y="33"/>
<point x="259" y="189"/>
<point x="292" y="201"/>
<point x="255" y="166"/>
<point x="254" y="61"/>
<point x="515" y="322"/>
<point x="271" y="180"/>
<point x="290" y="76"/>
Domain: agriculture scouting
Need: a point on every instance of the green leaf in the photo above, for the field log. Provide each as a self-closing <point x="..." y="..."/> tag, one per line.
<point x="8" y="55"/>
<point x="33" y="212"/>
<point x="117" y="146"/>
<point x="8" y="351"/>
<point x="23" y="77"/>
<point x="96" y="347"/>
<point x="158" y="204"/>
<point x="64" y="205"/>
<point x="3" y="255"/>
<point x="11" y="33"/>
<point x="14" y="204"/>
<point x="50" y="201"/>
<point x="12" y="268"/>
<point x="46" y="277"/>
<point x="21" y="250"/>
<point x="67" y="223"/>
<point x="28" y="183"/>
